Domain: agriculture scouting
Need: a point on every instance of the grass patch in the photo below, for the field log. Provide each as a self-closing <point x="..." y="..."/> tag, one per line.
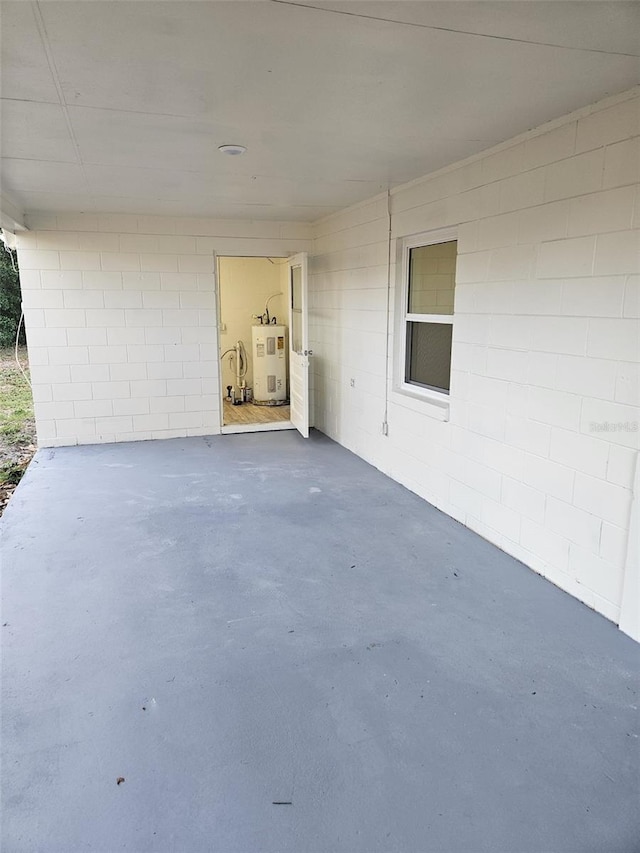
<point x="17" y="427"/>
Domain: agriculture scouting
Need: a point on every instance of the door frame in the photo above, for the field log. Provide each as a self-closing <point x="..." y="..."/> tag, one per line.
<point x="299" y="361"/>
<point x="232" y="429"/>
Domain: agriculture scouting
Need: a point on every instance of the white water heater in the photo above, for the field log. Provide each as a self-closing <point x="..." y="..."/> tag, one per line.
<point x="270" y="350"/>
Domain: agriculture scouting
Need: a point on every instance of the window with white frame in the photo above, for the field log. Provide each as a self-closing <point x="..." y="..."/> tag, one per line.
<point x="428" y="284"/>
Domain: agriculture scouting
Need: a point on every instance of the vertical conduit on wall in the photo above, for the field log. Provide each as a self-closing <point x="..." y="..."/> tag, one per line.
<point x="385" y="422"/>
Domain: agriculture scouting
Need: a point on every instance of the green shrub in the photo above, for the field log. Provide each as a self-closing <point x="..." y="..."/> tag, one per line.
<point x="10" y="299"/>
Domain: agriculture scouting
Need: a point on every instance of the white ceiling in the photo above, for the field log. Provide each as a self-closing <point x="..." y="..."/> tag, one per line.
<point x="120" y="106"/>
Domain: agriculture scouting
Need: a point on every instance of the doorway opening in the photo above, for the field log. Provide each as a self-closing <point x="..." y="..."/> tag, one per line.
<point x="254" y="343"/>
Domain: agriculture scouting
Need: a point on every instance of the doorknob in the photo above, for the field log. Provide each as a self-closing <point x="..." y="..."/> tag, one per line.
<point x="308" y="352"/>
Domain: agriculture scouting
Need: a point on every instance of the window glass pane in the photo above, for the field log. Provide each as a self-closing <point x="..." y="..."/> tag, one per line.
<point x="296" y="309"/>
<point x="429" y="355"/>
<point x="432" y="275"/>
<point x="296" y="288"/>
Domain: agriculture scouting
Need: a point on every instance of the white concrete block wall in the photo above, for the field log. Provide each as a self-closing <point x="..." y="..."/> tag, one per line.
<point x="120" y="313"/>
<point x="538" y="448"/>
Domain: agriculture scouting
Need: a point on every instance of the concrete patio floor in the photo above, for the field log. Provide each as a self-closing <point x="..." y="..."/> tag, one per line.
<point x="280" y="649"/>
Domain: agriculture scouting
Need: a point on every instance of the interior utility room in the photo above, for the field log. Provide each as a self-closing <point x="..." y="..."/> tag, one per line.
<point x="254" y="343"/>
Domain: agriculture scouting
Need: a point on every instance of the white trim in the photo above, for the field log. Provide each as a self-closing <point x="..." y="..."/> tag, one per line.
<point x="216" y="287"/>
<point x="430" y="238"/>
<point x="299" y="391"/>
<point x="445" y="319"/>
<point x="419" y="392"/>
<point x="244" y="254"/>
<point x="231" y="429"/>
<point x="438" y="409"/>
<point x="402" y="316"/>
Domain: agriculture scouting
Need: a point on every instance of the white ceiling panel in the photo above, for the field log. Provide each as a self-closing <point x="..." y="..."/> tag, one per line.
<point x="159" y="183"/>
<point x="25" y="69"/>
<point x="267" y="63"/>
<point x="20" y="176"/>
<point x="252" y="189"/>
<point x="116" y="138"/>
<point x="607" y="26"/>
<point x="333" y="104"/>
<point x="34" y="131"/>
<point x="62" y="202"/>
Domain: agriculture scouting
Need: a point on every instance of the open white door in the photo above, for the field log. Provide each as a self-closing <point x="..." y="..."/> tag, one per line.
<point x="299" y="351"/>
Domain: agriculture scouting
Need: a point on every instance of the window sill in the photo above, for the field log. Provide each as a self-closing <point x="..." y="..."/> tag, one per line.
<point x="433" y="405"/>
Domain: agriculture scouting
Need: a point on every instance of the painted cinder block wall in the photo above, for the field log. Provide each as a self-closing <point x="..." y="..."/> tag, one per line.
<point x="538" y="448"/>
<point x="121" y="325"/>
<point x="120" y="313"/>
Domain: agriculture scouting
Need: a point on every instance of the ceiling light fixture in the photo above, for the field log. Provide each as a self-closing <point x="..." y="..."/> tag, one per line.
<point x="232" y="150"/>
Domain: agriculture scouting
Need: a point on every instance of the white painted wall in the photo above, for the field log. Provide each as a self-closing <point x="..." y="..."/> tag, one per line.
<point x="121" y="322"/>
<point x="245" y="285"/>
<point x="545" y="350"/>
<point x="122" y="334"/>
